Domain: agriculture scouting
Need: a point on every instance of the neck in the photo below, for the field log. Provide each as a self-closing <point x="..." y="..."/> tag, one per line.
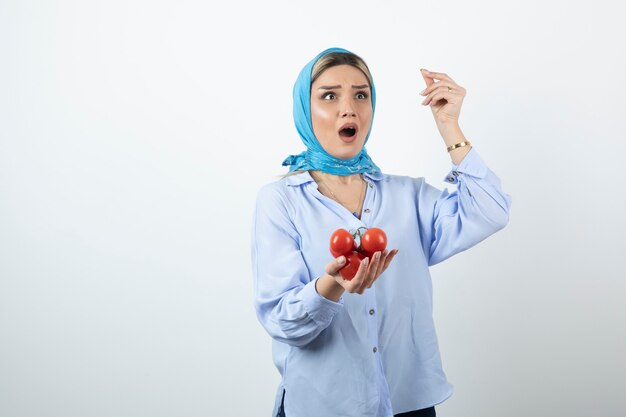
<point x="335" y="179"/>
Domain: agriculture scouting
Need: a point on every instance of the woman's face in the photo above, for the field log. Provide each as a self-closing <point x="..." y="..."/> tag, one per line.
<point x="341" y="110"/>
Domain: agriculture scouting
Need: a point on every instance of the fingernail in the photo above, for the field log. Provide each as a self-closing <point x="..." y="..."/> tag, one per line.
<point x="377" y="256"/>
<point x="366" y="261"/>
<point x="422" y="92"/>
<point x="341" y="260"/>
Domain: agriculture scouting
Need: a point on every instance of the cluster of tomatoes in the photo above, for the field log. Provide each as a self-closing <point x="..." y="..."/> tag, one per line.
<point x="343" y="243"/>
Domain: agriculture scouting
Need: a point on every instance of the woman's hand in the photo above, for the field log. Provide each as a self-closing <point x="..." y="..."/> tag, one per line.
<point x="332" y="285"/>
<point x="444" y="97"/>
<point x="367" y="273"/>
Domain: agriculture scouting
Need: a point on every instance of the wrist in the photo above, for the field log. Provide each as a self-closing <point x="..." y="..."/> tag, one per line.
<point x="327" y="287"/>
<point x="452" y="134"/>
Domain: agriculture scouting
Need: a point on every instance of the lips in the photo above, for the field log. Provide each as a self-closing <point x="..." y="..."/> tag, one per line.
<point x="348" y="131"/>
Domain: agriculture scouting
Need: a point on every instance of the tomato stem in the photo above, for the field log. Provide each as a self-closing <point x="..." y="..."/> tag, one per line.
<point x="359" y="230"/>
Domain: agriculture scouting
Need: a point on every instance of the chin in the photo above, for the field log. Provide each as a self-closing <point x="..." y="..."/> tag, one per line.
<point x="345" y="154"/>
<point x="342" y="150"/>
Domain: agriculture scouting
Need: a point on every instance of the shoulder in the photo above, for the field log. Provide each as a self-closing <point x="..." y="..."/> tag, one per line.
<point x="403" y="188"/>
<point x="400" y="181"/>
<point x="271" y="192"/>
<point x="281" y="193"/>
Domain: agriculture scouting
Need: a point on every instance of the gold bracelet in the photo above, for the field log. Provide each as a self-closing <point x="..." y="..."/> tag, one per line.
<point x="459" y="145"/>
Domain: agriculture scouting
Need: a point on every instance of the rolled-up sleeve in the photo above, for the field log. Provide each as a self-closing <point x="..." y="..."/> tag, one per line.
<point x="286" y="301"/>
<point x="461" y="219"/>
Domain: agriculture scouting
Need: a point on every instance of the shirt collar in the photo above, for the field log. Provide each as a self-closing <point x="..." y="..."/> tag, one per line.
<point x="304" y="177"/>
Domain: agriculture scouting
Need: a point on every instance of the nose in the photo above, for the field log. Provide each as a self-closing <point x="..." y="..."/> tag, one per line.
<point x="348" y="109"/>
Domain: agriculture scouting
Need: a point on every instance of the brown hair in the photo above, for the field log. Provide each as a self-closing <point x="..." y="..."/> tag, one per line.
<point x="340" y="58"/>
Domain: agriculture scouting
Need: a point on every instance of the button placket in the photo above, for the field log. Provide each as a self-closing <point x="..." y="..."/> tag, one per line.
<point x="372" y="320"/>
<point x="368" y="197"/>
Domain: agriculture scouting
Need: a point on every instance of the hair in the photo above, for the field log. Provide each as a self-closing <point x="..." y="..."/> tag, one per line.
<point x="340" y="58"/>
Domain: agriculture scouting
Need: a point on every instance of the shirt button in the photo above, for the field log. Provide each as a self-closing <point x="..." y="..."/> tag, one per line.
<point x="367" y="210"/>
<point x="375" y="350"/>
<point x="371" y="185"/>
<point x="372" y="312"/>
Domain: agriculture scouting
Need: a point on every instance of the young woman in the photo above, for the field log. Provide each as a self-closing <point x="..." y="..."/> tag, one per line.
<point x="365" y="347"/>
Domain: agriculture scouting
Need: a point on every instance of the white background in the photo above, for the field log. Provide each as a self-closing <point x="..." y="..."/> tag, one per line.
<point x="134" y="136"/>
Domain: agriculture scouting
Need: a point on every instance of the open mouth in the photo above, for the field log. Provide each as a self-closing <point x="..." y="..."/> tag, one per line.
<point x="347" y="131"/>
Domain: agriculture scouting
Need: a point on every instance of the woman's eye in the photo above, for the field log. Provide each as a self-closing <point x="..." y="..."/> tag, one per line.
<point x="329" y="96"/>
<point x="361" y="96"/>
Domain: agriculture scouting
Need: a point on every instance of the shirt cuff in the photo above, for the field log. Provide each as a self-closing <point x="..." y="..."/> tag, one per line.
<point x="320" y="308"/>
<point x="471" y="165"/>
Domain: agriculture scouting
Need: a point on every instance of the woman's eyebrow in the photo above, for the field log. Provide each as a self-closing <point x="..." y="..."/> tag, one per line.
<point x="336" y="87"/>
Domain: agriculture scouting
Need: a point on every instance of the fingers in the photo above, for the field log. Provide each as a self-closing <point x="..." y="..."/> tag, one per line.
<point x="385" y="260"/>
<point x="380" y="264"/>
<point x="367" y="273"/>
<point x="361" y="279"/>
<point x="444" y="89"/>
<point x="450" y="97"/>
<point x="388" y="259"/>
<point x="440" y="91"/>
<point x="333" y="267"/>
<point x="441" y="85"/>
<point x="435" y="75"/>
<point x="373" y="270"/>
<point x="429" y="81"/>
<point x="362" y="276"/>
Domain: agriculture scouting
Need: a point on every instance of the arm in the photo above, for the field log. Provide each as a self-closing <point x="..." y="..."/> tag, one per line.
<point x="286" y="301"/>
<point x="459" y="220"/>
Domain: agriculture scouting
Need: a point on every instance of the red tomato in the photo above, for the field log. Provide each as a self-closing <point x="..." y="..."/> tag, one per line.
<point x="353" y="260"/>
<point x="373" y="240"/>
<point x="341" y="243"/>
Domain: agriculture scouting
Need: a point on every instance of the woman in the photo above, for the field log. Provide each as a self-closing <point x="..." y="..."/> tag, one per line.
<point x="367" y="346"/>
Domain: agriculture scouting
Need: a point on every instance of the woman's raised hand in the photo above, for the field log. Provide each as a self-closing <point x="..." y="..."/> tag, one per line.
<point x="444" y="96"/>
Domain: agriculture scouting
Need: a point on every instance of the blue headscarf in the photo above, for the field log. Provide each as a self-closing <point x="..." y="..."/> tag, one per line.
<point x="315" y="157"/>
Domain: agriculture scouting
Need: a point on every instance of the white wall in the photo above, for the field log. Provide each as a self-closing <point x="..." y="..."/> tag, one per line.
<point x="135" y="134"/>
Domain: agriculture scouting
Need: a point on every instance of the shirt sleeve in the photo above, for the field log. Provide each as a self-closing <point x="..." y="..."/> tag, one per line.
<point x="286" y="301"/>
<point x="461" y="219"/>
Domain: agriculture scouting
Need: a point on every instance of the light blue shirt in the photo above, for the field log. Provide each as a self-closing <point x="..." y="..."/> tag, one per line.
<point x="375" y="354"/>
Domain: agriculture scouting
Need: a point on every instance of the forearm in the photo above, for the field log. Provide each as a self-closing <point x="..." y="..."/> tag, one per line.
<point x="452" y="135"/>
<point x="327" y="287"/>
<point x="298" y="316"/>
<point x="478" y="208"/>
